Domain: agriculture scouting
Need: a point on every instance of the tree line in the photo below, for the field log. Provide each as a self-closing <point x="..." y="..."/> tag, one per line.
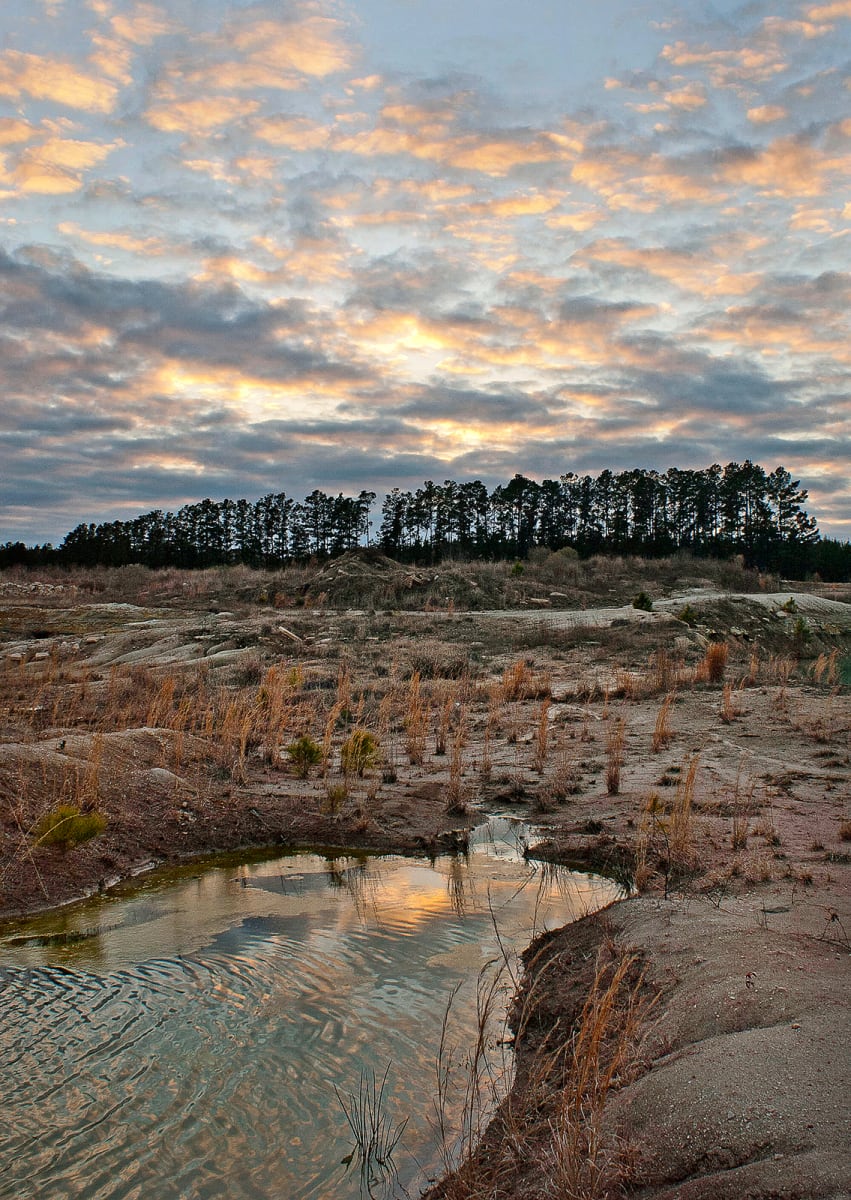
<point x="737" y="509"/>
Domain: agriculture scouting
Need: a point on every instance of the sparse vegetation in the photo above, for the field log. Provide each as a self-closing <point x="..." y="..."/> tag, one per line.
<point x="190" y="718"/>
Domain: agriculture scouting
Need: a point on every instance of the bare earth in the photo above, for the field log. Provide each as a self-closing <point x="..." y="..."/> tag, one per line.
<point x="169" y="714"/>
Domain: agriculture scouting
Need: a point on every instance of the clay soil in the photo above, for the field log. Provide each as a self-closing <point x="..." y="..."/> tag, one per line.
<point x="700" y="752"/>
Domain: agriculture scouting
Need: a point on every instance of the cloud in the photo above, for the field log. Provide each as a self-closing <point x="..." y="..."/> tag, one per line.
<point x="56" y="166"/>
<point x="197" y="117"/>
<point x="143" y="25"/>
<point x="830" y="12"/>
<point x="148" y="247"/>
<point x="310" y="44"/>
<point x="57" y="80"/>
<point x="727" y="68"/>
<point x="13" y="132"/>
<point x="788" y="166"/>
<point x="333" y="261"/>
<point x="292" y="133"/>
<point x="449" y="129"/>
<point x="764" y="114"/>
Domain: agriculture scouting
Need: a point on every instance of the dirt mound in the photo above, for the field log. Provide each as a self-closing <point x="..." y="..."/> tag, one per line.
<point x="367" y="578"/>
<point x="361" y="578"/>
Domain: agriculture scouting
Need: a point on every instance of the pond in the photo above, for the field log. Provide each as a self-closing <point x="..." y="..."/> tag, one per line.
<point x="186" y="1039"/>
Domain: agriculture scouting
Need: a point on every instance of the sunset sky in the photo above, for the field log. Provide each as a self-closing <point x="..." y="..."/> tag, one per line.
<point x="355" y="244"/>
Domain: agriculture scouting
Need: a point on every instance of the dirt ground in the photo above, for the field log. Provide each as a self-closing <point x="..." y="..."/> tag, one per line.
<point x="700" y="751"/>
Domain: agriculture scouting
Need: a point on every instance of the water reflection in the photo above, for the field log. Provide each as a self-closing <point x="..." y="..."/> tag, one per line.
<point x="187" y="1039"/>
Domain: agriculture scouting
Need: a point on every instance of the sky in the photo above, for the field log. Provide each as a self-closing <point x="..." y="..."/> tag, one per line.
<point x="358" y="244"/>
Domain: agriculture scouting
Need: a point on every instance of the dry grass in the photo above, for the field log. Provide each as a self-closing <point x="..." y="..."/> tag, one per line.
<point x="714" y="664"/>
<point x="416" y="721"/>
<point x="615" y="744"/>
<point x="600" y="1057"/>
<point x="549" y="1128"/>
<point x="455" y="802"/>
<point x="728" y="710"/>
<point x="664" y="671"/>
<point x="542" y="735"/>
<point x="826" y="668"/>
<point x="681" y="830"/>
<point x="742" y="805"/>
<point x="666" y="838"/>
<point x="662" y="732"/>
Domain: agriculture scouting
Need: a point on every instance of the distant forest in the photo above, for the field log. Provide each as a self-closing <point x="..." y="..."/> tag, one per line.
<point x="718" y="511"/>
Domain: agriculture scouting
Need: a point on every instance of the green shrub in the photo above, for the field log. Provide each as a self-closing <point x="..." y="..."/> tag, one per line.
<point x="335" y="794"/>
<point x="304" y="753"/>
<point x="643" y="601"/>
<point x="66" y="826"/>
<point x="800" y="633"/>
<point x="359" y="752"/>
<point x="687" y="615"/>
<point x="790" y="606"/>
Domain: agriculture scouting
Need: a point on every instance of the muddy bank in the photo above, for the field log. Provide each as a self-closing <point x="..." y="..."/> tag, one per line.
<point x="736" y="1075"/>
<point x="155" y="820"/>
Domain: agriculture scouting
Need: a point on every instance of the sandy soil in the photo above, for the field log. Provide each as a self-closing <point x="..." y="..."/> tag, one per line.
<point x="731" y="810"/>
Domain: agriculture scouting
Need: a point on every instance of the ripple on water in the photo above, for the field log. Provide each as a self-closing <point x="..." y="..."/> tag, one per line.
<point x="191" y="1046"/>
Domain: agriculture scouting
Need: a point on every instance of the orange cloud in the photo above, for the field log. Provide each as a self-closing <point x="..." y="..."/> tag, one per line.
<point x="312" y="46"/>
<point x="726" y="68"/>
<point x="700" y="275"/>
<point x="830" y="12"/>
<point x="818" y="220"/>
<point x="633" y="183"/>
<point x="314" y="259"/>
<point x="786" y="167"/>
<point x="426" y="122"/>
<point x="112" y="58"/>
<point x="367" y="83"/>
<point x="495" y="155"/>
<point x="199" y="117"/>
<point x="141" y="27"/>
<point x="56" y="166"/>
<point x="12" y="132"/>
<point x="579" y="222"/>
<point x="756" y="330"/>
<point x="131" y="243"/>
<point x="52" y="79"/>
<point x="764" y="114"/>
<point x="688" y="96"/>
<point x="520" y="205"/>
<point x="292" y="133"/>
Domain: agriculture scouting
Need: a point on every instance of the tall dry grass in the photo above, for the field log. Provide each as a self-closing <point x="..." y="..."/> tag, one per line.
<point x="581" y="1164"/>
<point x="549" y="1126"/>
<point x="681" y="833"/>
<point x="714" y="665"/>
<point x="662" y="731"/>
<point x="542" y="735"/>
<point x="416" y="721"/>
<point x="615" y="746"/>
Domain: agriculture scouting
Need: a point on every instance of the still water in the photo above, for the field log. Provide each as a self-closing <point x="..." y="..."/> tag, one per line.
<point x="184" y="1040"/>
